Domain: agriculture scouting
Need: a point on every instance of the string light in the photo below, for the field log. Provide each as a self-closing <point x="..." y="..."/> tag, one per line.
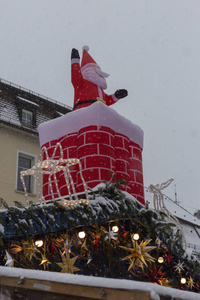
<point x="136" y="236"/>
<point x="51" y="167"/>
<point x="81" y="234"/>
<point x="183" y="280"/>
<point x="115" y="228"/>
<point x="39" y="243"/>
<point x="160" y="260"/>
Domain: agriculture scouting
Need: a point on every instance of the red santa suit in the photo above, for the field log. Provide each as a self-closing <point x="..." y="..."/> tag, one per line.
<point x="89" y="82"/>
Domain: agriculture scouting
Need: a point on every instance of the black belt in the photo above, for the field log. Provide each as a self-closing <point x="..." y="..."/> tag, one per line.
<point x="84" y="102"/>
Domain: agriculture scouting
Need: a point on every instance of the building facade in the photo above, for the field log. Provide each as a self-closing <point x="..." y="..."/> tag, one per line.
<point x="21" y="112"/>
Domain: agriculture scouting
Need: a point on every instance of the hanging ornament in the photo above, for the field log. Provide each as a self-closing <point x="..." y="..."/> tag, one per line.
<point x="139" y="254"/>
<point x="155" y="275"/>
<point x="179" y="267"/>
<point x="124" y="234"/>
<point x="168" y="257"/>
<point x="190" y="282"/>
<point x="44" y="261"/>
<point x="67" y="247"/>
<point x="67" y="264"/>
<point x="96" y="244"/>
<point x="30" y="249"/>
<point x="9" y="260"/>
<point x="52" y="248"/>
<point x="110" y="235"/>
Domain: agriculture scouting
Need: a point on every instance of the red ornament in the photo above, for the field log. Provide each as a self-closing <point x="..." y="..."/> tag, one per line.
<point x="154" y="275"/>
<point x="124" y="234"/>
<point x="168" y="257"/>
<point x="52" y="248"/>
<point x="96" y="244"/>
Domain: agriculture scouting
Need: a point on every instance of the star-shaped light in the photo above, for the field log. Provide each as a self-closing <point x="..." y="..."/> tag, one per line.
<point x="190" y="282"/>
<point x="30" y="249"/>
<point x="110" y="235"/>
<point x="9" y="260"/>
<point x="155" y="275"/>
<point x="67" y="247"/>
<point x="179" y="267"/>
<point x="84" y="247"/>
<point x="67" y="264"/>
<point x="168" y="257"/>
<point x="45" y="262"/>
<point x="139" y="254"/>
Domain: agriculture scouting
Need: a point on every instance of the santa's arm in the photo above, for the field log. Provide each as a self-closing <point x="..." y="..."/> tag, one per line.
<point x="76" y="76"/>
<point x="119" y="94"/>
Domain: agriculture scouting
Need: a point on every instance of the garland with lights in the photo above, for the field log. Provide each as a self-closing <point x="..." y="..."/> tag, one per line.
<point x="113" y="236"/>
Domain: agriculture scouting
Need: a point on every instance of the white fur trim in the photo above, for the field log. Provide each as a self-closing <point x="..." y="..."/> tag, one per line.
<point x="75" y="60"/>
<point x="115" y="98"/>
<point x="88" y="65"/>
<point x="86" y="48"/>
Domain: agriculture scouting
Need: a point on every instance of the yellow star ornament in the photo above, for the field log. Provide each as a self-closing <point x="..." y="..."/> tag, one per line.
<point x="190" y="282"/>
<point x="45" y="262"/>
<point x="30" y="250"/>
<point x="67" y="264"/>
<point x="139" y="254"/>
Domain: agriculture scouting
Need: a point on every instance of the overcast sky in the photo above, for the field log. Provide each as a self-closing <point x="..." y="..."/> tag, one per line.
<point x="149" y="47"/>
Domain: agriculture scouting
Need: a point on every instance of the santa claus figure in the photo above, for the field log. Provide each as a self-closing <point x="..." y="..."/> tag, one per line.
<point x="89" y="81"/>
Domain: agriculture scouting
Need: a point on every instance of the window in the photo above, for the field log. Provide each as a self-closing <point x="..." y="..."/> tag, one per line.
<point x="27" y="117"/>
<point x="25" y="162"/>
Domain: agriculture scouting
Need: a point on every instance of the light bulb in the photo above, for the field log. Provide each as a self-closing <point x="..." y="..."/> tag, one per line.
<point x="81" y="234"/>
<point x="136" y="236"/>
<point x="39" y="243"/>
<point x="183" y="280"/>
<point x="115" y="228"/>
<point x="160" y="260"/>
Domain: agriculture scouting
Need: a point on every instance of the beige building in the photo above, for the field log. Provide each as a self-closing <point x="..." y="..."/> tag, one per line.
<point x="21" y="111"/>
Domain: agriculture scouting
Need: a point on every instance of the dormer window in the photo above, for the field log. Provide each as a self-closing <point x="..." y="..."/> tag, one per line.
<point x="27" y="117"/>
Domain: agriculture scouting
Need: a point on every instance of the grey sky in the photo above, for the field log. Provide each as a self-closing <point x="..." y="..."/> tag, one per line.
<point x="151" y="48"/>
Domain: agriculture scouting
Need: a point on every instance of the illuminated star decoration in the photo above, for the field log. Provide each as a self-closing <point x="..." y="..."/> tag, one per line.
<point x="155" y="275"/>
<point x="9" y="260"/>
<point x="179" y="267"/>
<point x="190" y="282"/>
<point x="139" y="254"/>
<point x="84" y="247"/>
<point x="168" y="257"/>
<point x="45" y="262"/>
<point x="67" y="247"/>
<point x="110" y="235"/>
<point x="67" y="264"/>
<point x="29" y="248"/>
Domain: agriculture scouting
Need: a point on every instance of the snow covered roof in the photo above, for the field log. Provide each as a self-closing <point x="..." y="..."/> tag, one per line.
<point x="28" y="101"/>
<point x="8" y="112"/>
<point x="14" y="98"/>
